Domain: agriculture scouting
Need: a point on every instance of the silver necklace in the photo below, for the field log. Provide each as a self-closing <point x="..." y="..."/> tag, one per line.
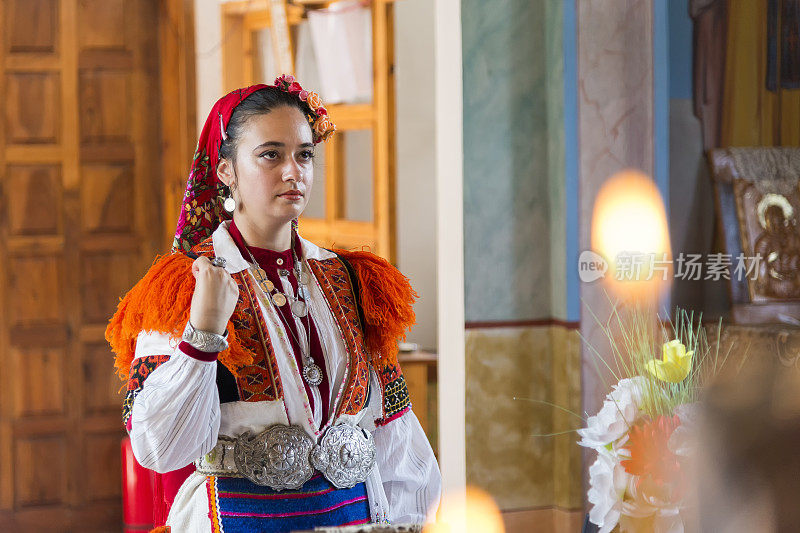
<point x="298" y="307"/>
<point x="312" y="373"/>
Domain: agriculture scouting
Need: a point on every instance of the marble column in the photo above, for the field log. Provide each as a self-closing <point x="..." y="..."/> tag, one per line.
<point x="615" y="124"/>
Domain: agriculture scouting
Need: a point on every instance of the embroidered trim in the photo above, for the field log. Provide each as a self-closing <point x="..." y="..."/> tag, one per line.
<point x="396" y="400"/>
<point x="335" y="284"/>
<point x="213" y="504"/>
<point x="141" y="368"/>
<point x="259" y="381"/>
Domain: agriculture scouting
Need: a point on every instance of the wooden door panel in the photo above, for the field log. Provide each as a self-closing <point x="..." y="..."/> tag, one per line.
<point x="35" y="290"/>
<point x="101" y="393"/>
<point x="103" y="474"/>
<point x="32" y="108"/>
<point x="39" y="385"/>
<point x="36" y="481"/>
<point x="105" y="278"/>
<point x="105" y="98"/>
<point x="101" y="24"/>
<point x="31" y="26"/>
<point x="33" y="199"/>
<point x="107" y="190"/>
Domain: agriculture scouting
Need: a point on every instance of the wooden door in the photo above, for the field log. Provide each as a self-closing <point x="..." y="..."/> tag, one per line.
<point x="81" y="189"/>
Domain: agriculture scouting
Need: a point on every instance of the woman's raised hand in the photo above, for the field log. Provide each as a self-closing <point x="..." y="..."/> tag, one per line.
<point x="214" y="298"/>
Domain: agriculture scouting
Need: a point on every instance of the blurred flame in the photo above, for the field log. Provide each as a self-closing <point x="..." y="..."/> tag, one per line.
<point x="629" y="217"/>
<point x="473" y="511"/>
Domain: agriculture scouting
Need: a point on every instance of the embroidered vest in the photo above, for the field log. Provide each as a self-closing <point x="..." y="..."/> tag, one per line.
<point x="260" y="380"/>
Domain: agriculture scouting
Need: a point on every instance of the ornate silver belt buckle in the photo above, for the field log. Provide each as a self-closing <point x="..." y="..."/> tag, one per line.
<point x="345" y="455"/>
<point x="278" y="457"/>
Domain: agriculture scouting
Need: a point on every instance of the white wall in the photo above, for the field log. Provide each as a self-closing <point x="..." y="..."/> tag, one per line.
<point x="416" y="186"/>
<point x="208" y="50"/>
<point x="416" y="159"/>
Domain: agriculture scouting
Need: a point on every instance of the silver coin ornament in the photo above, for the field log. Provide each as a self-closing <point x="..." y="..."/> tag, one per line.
<point x="299" y="308"/>
<point x="229" y="204"/>
<point x="305" y="278"/>
<point x="312" y="374"/>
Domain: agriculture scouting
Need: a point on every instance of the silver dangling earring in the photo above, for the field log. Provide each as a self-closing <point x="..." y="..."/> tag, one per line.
<point x="229" y="204"/>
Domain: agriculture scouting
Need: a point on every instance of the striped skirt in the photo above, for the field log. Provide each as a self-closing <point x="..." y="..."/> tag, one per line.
<point x="238" y="505"/>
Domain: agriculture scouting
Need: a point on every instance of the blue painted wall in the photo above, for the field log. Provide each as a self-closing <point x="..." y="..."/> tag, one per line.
<point x="680" y="49"/>
<point x="513" y="160"/>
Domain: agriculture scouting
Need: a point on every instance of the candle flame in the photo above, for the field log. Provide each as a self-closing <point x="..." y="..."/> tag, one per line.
<point x="470" y="511"/>
<point x="629" y="229"/>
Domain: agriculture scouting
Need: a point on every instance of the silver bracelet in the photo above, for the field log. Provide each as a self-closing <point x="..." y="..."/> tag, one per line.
<point x="204" y="341"/>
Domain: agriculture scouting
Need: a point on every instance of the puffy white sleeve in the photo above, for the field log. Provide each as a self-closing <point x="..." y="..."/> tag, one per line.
<point x="409" y="471"/>
<point x="175" y="416"/>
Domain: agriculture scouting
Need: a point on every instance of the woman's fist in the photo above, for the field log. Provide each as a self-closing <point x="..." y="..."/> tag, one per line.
<point x="214" y="298"/>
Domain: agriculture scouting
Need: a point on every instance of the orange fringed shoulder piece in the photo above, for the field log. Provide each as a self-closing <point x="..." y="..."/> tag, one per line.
<point x="161" y="301"/>
<point x="161" y="529"/>
<point x="387" y="300"/>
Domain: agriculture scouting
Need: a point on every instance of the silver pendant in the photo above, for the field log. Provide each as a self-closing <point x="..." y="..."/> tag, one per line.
<point x="229" y="204"/>
<point x="305" y="278"/>
<point x="312" y="374"/>
<point x="299" y="308"/>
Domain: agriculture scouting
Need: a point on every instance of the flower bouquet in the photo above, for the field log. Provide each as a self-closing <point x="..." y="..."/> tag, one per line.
<point x="644" y="432"/>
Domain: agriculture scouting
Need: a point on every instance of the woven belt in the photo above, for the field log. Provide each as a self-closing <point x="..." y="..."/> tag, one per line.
<point x="284" y="457"/>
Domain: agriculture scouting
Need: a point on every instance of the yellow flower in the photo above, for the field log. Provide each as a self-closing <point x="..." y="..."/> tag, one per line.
<point x="675" y="365"/>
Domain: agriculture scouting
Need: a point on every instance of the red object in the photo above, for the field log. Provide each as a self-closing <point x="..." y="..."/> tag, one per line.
<point x="165" y="488"/>
<point x="137" y="493"/>
<point x="147" y="495"/>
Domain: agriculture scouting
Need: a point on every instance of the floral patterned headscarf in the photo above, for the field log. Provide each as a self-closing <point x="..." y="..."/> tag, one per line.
<point x="202" y="210"/>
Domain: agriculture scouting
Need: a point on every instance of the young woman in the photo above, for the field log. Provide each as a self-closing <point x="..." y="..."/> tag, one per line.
<point x="265" y="363"/>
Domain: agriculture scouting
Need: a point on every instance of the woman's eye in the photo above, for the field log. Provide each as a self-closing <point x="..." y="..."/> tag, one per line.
<point x="270" y="154"/>
<point x="307" y="154"/>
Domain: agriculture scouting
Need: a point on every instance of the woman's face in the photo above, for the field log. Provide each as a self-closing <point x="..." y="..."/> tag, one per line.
<point x="274" y="168"/>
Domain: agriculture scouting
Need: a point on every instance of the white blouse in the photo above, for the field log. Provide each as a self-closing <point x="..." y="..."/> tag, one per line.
<point x="177" y="417"/>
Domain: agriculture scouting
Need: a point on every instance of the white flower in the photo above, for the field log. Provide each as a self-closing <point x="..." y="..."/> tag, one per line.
<point x="607" y="483"/>
<point x="646" y="508"/>
<point x="619" y="411"/>
<point x="683" y="441"/>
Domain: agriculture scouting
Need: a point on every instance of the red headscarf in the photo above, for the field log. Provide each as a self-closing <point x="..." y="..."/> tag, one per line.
<point x="202" y="211"/>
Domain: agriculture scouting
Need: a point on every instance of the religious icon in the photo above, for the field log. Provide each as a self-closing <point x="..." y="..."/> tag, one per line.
<point x="769" y="227"/>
